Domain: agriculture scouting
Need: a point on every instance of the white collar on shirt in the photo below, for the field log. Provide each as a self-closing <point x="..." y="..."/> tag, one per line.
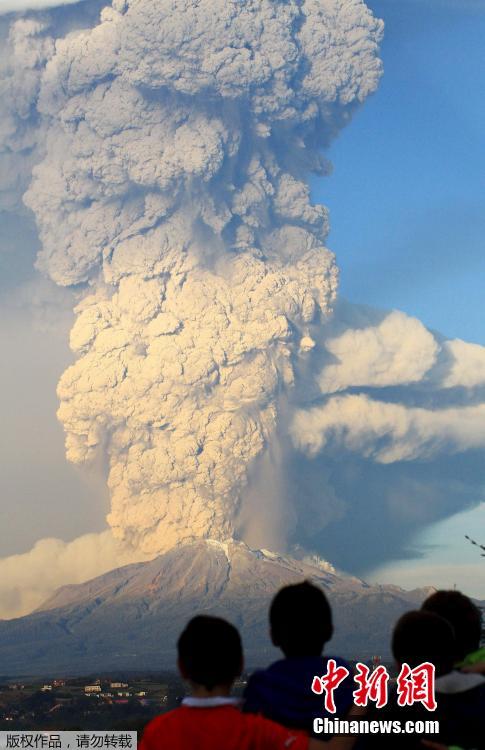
<point x="218" y="700"/>
<point x="458" y="682"/>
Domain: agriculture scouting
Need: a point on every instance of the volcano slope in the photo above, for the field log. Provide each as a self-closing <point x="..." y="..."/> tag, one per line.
<point x="130" y="618"/>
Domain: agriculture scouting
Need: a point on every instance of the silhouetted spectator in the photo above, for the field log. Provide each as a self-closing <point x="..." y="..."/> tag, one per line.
<point x="420" y="637"/>
<point x="466" y="620"/>
<point x="424" y="637"/>
<point x="460" y="696"/>
<point x="210" y="658"/>
<point x="300" y="624"/>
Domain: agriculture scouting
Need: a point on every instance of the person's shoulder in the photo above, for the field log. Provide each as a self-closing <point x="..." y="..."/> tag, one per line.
<point x="257" y="676"/>
<point x="267" y="675"/>
<point x="299" y="667"/>
<point x="257" y="679"/>
<point x="160" y="723"/>
<point x="272" y="734"/>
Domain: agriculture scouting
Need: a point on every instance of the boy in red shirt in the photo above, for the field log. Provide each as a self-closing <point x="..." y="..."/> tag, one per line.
<point x="210" y="658"/>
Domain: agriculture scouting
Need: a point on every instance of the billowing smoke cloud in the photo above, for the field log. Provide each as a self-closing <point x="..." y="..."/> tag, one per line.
<point x="27" y="49"/>
<point x="172" y="143"/>
<point x="22" y="589"/>
<point x="164" y="149"/>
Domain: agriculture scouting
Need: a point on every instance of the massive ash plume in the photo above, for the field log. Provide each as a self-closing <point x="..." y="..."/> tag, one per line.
<point x="173" y="142"/>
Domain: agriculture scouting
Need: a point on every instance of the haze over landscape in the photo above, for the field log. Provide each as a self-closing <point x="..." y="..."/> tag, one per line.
<point x="162" y="168"/>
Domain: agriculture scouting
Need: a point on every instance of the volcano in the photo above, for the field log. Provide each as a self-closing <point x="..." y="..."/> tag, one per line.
<point x="130" y="618"/>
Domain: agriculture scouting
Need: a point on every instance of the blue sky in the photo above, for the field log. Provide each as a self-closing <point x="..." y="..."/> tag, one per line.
<point x="407" y="207"/>
<point x="407" y="193"/>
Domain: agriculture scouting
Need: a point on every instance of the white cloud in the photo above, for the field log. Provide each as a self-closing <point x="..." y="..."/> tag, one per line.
<point x="398" y="351"/>
<point x="16" y="6"/>
<point x="466" y="364"/>
<point x="389" y="432"/>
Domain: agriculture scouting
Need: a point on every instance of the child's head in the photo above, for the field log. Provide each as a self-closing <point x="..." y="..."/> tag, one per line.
<point x="301" y="620"/>
<point x="210" y="652"/>
<point x="464" y="616"/>
<point x="423" y="636"/>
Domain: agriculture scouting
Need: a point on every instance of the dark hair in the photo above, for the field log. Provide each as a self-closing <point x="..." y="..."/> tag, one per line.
<point x="301" y="620"/>
<point x="464" y="616"/>
<point x="423" y="636"/>
<point x="210" y="651"/>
